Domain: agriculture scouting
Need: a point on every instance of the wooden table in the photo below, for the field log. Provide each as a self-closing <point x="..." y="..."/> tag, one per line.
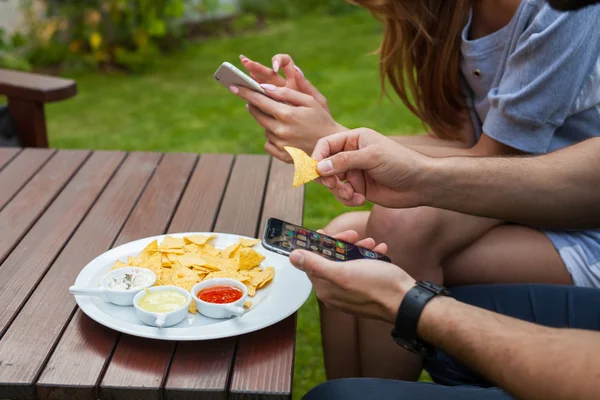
<point x="60" y="209"/>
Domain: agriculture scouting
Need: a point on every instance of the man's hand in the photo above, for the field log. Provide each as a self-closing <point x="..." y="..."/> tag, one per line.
<point x="369" y="288"/>
<point x="361" y="165"/>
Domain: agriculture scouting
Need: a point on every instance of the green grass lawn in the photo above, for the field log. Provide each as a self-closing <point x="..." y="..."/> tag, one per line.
<point x="179" y="107"/>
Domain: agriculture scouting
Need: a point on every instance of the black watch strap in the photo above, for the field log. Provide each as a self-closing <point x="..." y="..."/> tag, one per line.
<point x="409" y="312"/>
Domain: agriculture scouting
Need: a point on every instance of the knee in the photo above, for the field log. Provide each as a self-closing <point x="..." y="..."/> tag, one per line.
<point x="356" y="220"/>
<point x="406" y="229"/>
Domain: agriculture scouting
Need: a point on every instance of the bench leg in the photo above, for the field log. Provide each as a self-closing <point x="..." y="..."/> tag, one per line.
<point x="30" y="120"/>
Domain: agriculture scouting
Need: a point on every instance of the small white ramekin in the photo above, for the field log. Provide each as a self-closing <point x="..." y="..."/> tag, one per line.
<point x="162" y="320"/>
<point x="116" y="296"/>
<point x="220" y="311"/>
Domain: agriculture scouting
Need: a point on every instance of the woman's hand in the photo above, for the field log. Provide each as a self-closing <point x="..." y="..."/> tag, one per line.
<point x="368" y="288"/>
<point x="294" y="77"/>
<point x="361" y="164"/>
<point x="290" y="118"/>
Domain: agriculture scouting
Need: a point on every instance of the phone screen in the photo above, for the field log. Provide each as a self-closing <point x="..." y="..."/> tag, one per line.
<point x="285" y="237"/>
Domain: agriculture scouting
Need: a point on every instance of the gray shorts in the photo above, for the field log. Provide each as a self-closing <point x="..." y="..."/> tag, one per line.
<point x="580" y="251"/>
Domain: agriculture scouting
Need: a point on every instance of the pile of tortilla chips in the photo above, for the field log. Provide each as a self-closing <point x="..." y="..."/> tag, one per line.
<point x="183" y="262"/>
<point x="305" y="167"/>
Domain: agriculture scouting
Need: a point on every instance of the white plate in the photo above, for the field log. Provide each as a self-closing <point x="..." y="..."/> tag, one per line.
<point x="281" y="298"/>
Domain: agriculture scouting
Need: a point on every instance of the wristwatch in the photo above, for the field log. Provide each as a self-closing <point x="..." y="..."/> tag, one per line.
<point x="405" y="329"/>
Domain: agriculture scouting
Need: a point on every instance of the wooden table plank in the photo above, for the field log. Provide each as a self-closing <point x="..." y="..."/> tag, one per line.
<point x="20" y="170"/>
<point x="7" y="154"/>
<point x="201" y="370"/>
<point x="244" y="196"/>
<point x="264" y="361"/>
<point x="203" y="194"/>
<point x="24" y="353"/>
<point x="78" y="360"/>
<point x="31" y="201"/>
<point x="87" y="342"/>
<point x="132" y="372"/>
<point x="38" y="249"/>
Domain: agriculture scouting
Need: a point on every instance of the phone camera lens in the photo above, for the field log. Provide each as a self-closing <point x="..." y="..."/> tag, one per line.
<point x="217" y="78"/>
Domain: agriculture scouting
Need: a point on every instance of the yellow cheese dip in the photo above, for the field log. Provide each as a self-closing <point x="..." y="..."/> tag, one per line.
<point x="162" y="302"/>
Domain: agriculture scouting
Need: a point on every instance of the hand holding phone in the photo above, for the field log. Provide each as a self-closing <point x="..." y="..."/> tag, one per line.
<point x="229" y="75"/>
<point x="283" y="238"/>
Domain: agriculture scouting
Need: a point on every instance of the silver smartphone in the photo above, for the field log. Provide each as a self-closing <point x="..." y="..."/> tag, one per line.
<point x="283" y="237"/>
<point x="230" y="75"/>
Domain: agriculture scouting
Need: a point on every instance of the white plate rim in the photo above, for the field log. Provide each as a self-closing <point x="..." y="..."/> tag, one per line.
<point x="228" y="328"/>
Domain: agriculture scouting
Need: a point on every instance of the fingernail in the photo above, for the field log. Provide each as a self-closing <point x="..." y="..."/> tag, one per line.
<point x="343" y="194"/>
<point x="268" y="86"/>
<point x="234" y="89"/>
<point x="243" y="57"/>
<point x="325" y="166"/>
<point x="248" y="107"/>
<point x="299" y="70"/>
<point x="275" y="65"/>
<point x="297" y="258"/>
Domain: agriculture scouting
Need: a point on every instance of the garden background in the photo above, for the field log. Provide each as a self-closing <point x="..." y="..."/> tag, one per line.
<point x="144" y="70"/>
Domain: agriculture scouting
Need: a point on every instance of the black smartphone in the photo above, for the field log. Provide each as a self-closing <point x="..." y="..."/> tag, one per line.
<point x="283" y="238"/>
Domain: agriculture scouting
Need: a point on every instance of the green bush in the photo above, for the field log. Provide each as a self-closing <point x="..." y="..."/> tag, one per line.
<point x="125" y="33"/>
<point x="11" y="52"/>
<point x="294" y="8"/>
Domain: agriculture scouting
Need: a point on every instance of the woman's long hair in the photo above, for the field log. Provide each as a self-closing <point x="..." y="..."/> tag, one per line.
<point x="420" y="55"/>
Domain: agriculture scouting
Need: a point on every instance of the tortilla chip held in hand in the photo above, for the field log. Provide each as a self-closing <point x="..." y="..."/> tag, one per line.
<point x="305" y="168"/>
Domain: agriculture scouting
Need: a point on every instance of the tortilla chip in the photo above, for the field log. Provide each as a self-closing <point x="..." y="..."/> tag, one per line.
<point x="202" y="270"/>
<point x="171" y="251"/>
<point x="201" y="276"/>
<point x="149" y="250"/>
<point x="229" y="250"/>
<point x="154" y="264"/>
<point x="171" y="242"/>
<point x="166" y="262"/>
<point x="192" y="248"/>
<point x="214" y="263"/>
<point x="198" y="239"/>
<point x="305" y="168"/>
<point x="133" y="261"/>
<point x="249" y="258"/>
<point x="263" y="277"/>
<point x="249" y="242"/>
<point x="210" y="250"/>
<point x="224" y="274"/>
<point x="164" y="278"/>
<point x="244" y="277"/>
<point x="247" y="304"/>
<point x="119" y="264"/>
<point x="190" y="260"/>
<point x="183" y="277"/>
<point x="251" y="289"/>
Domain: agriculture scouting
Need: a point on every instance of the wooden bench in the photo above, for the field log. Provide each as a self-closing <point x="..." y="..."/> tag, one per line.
<point x="27" y="94"/>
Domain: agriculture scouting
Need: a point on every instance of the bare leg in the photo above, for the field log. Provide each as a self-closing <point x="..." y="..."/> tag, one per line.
<point x="338" y="329"/>
<point x="508" y="254"/>
<point x="419" y="239"/>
